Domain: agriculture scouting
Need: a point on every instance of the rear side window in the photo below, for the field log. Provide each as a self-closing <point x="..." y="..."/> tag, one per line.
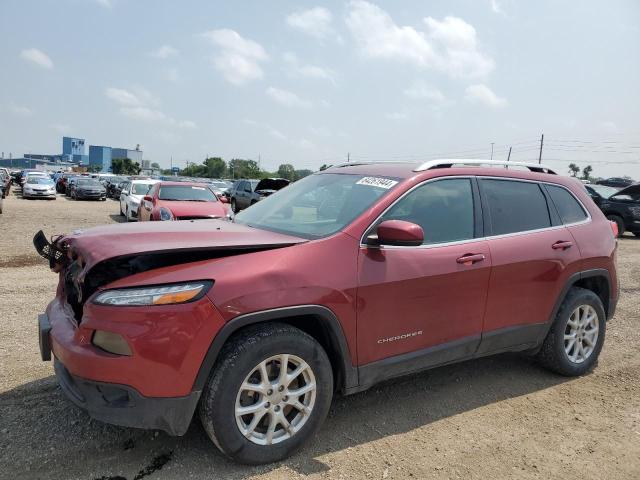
<point x="515" y="206"/>
<point x="568" y="207"/>
<point x="443" y="208"/>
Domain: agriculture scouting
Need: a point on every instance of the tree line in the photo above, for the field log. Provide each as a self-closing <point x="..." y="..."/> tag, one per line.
<point x="216" y="167"/>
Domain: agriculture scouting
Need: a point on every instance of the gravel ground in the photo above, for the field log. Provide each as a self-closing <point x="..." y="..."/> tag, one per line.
<point x="500" y="417"/>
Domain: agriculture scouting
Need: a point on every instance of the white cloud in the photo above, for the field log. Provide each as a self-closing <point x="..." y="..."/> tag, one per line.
<point x="609" y="126"/>
<point x="277" y="134"/>
<point x="238" y="58"/>
<point x="315" y="22"/>
<point x="421" y="91"/>
<point x="287" y="98"/>
<point x="484" y="95"/>
<point x="141" y="105"/>
<point x="123" y="97"/>
<point x="308" y="71"/>
<point x="21" y="110"/>
<point x="496" y="8"/>
<point x="37" y="57"/>
<point x="449" y="45"/>
<point x="165" y="51"/>
<point x="105" y="3"/>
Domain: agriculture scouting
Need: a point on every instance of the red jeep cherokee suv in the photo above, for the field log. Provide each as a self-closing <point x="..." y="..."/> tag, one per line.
<point x="348" y="277"/>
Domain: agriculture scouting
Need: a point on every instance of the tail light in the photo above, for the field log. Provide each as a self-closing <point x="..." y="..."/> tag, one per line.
<point x="614" y="228"/>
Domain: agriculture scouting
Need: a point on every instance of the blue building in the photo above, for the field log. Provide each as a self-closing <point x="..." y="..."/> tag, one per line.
<point x="73" y="150"/>
<point x="133" y="155"/>
<point x="99" y="155"/>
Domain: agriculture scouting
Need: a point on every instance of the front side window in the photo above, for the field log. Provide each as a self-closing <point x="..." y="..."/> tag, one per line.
<point x="318" y="205"/>
<point x="515" y="206"/>
<point x="568" y="207"/>
<point x="443" y="208"/>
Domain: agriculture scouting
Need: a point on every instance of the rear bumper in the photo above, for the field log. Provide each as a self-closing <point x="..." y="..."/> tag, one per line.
<point x="124" y="406"/>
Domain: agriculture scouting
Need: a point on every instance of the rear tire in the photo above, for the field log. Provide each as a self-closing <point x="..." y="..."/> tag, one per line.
<point x="558" y="353"/>
<point x="234" y="208"/>
<point x="619" y="221"/>
<point x="264" y="438"/>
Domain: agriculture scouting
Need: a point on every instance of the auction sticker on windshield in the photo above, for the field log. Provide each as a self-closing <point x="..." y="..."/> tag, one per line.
<point x="377" y="182"/>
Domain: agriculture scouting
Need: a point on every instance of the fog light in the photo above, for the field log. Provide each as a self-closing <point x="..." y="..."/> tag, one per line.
<point x="111" y="342"/>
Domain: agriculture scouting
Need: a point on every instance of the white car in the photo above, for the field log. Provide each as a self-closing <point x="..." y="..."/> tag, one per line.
<point x="131" y="196"/>
<point x="39" y="186"/>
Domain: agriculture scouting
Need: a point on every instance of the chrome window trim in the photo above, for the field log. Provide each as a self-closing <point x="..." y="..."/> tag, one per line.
<point x="478" y="239"/>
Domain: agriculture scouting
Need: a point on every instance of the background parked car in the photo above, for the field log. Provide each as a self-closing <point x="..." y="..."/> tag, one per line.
<point x="88" y="189"/>
<point x="131" y="196"/>
<point x="247" y="192"/>
<point x="181" y="201"/>
<point x="615" y="182"/>
<point x="62" y="181"/>
<point x="114" y="186"/>
<point x="5" y="183"/>
<point x="220" y="188"/>
<point x="38" y="186"/>
<point x="620" y="206"/>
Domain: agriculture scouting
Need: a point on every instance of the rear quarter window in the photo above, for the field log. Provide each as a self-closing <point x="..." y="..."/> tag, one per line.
<point x="568" y="207"/>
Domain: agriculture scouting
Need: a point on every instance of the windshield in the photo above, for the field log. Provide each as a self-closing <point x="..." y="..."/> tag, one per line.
<point x="140" y="188"/>
<point x="188" y="193"/>
<point x="604" y="191"/>
<point x="318" y="205"/>
<point x="89" y="183"/>
<point x="40" y="181"/>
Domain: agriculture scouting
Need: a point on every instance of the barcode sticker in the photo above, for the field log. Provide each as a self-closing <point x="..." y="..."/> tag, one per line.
<point x="377" y="182"/>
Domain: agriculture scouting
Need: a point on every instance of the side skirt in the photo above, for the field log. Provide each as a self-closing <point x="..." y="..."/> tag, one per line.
<point x="511" y="339"/>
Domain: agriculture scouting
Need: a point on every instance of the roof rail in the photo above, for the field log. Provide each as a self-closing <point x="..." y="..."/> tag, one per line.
<point x="449" y="162"/>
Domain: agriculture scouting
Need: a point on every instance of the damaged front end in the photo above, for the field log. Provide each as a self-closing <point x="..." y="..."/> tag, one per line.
<point x="88" y="260"/>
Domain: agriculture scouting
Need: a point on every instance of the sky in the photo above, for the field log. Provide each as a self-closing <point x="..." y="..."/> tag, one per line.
<point x="312" y="83"/>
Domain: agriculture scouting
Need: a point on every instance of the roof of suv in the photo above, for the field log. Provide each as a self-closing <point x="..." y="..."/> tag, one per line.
<point x="437" y="168"/>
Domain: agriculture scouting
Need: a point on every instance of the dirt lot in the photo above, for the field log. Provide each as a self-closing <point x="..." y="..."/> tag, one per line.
<point x="501" y="417"/>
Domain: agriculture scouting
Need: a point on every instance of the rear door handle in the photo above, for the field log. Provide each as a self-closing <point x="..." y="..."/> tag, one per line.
<point x="562" y="244"/>
<point x="470" y="258"/>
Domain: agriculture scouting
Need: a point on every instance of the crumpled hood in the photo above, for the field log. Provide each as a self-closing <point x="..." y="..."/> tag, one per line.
<point x="632" y="190"/>
<point x="194" y="209"/>
<point x="129" y="239"/>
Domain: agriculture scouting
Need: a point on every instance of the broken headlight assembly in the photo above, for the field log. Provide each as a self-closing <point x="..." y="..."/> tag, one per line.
<point x="154" y="295"/>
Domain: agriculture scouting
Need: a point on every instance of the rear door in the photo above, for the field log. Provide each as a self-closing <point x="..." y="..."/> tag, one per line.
<point x="533" y="256"/>
<point x="426" y="299"/>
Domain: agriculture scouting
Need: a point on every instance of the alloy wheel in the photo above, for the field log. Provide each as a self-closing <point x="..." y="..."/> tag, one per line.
<point x="581" y="333"/>
<point x="276" y="399"/>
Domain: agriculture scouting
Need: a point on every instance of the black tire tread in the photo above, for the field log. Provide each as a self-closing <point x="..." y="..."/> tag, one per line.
<point x="237" y="346"/>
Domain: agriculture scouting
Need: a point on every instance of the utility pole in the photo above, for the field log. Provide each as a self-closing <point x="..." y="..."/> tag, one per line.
<point x="348" y="157"/>
<point x="492" y="150"/>
<point x="541" y="142"/>
<point x="508" y="157"/>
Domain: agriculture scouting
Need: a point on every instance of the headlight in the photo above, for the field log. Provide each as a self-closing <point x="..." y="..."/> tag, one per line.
<point x="635" y="211"/>
<point x="165" y="214"/>
<point x="160" y="295"/>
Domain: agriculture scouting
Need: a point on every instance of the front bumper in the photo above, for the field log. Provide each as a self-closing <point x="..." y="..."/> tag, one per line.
<point x="39" y="194"/>
<point x="124" y="406"/>
<point x="91" y="195"/>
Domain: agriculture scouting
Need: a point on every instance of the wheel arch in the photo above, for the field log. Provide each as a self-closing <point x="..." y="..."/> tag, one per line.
<point x="316" y="320"/>
<point x="597" y="280"/>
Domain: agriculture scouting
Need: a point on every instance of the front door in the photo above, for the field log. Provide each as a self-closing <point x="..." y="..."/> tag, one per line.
<point x="427" y="299"/>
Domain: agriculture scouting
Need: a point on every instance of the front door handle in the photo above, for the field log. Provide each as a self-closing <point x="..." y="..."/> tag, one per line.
<point x="470" y="258"/>
<point x="562" y="244"/>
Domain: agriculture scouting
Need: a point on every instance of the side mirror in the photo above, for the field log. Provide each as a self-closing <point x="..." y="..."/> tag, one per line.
<point x="397" y="232"/>
<point x="223" y="199"/>
<point x="147" y="198"/>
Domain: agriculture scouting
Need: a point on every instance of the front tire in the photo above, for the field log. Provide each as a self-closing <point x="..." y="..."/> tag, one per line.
<point x="257" y="412"/>
<point x="576" y="337"/>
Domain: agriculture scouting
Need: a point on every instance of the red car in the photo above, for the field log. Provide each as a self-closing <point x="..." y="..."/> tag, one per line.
<point x="182" y="201"/>
<point x="348" y="277"/>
